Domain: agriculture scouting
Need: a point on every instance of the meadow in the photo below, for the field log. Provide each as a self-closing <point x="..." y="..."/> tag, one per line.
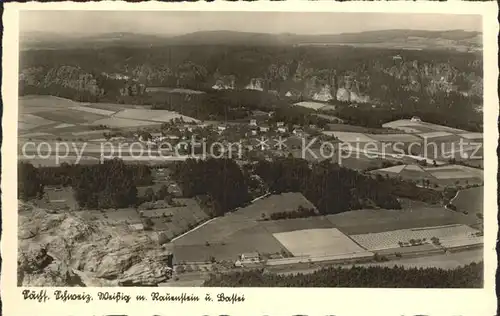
<point x="318" y="242"/>
<point x="391" y="239"/>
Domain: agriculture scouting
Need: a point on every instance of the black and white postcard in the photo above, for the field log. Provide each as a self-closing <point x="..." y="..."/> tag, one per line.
<point x="258" y="159"/>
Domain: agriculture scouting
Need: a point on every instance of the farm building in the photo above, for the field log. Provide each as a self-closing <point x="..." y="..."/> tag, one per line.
<point x="282" y="129"/>
<point x="264" y="128"/>
<point x="250" y="256"/>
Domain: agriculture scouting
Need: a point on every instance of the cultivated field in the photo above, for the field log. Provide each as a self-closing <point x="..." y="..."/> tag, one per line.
<point x="93" y="110"/>
<point x="352" y="128"/>
<point x="225" y="239"/>
<point x="392" y="138"/>
<point x="152" y="115"/>
<point x="350" y="137"/>
<point x="173" y="90"/>
<point x="285" y="202"/>
<point x="28" y="121"/>
<point x="37" y="103"/>
<point x="470" y="200"/>
<point x="472" y="136"/>
<point x="288" y="225"/>
<point x="70" y="116"/>
<point x="113" y="107"/>
<point x="117" y="122"/>
<point x="414" y="214"/>
<point x="409" y="126"/>
<point x="311" y="105"/>
<point x="318" y="242"/>
<point x="458" y="234"/>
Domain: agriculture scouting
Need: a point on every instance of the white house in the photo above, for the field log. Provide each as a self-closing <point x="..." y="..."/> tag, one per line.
<point x="251" y="256"/>
<point x="253" y="122"/>
<point x="416" y="119"/>
<point x="298" y="132"/>
<point x="264" y="128"/>
<point x="280" y="124"/>
<point x="282" y="129"/>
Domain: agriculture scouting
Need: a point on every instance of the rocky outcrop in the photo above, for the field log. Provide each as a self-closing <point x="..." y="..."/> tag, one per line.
<point x="65" y="76"/>
<point x="66" y="250"/>
<point x="224" y="82"/>
<point x="255" y="84"/>
<point x="315" y="75"/>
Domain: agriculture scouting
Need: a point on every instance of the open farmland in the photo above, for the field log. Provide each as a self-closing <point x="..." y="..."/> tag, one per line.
<point x="311" y="105"/>
<point x="318" y="242"/>
<point x="225" y="238"/>
<point x="175" y="220"/>
<point x="391" y="239"/>
<point x="244" y="231"/>
<point x="40" y="103"/>
<point x="406" y="172"/>
<point x="410" y="126"/>
<point x="353" y="128"/>
<point x="114" y="107"/>
<point x="70" y="116"/>
<point x="288" y="225"/>
<point x="472" y="136"/>
<point x="415" y="214"/>
<point x="117" y="122"/>
<point x="31" y="120"/>
<point x="172" y="90"/>
<point x="350" y="137"/>
<point x="470" y="200"/>
<point x="285" y="202"/>
<point x="152" y="115"/>
<point x="392" y="138"/>
<point x="93" y="110"/>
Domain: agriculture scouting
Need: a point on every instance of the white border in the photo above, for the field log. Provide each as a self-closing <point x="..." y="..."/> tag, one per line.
<point x="261" y="301"/>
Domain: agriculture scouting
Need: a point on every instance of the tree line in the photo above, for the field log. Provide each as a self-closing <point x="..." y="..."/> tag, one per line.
<point x="220" y="181"/>
<point x="469" y="276"/>
<point x="112" y="184"/>
<point x="335" y="189"/>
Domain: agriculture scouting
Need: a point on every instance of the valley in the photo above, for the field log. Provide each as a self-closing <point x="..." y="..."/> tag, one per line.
<point x="171" y="165"/>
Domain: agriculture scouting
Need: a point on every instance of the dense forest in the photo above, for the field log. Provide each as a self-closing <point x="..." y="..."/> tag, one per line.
<point x="469" y="276"/>
<point x="221" y="180"/>
<point x="427" y="83"/>
<point x="112" y="184"/>
<point x="223" y="186"/>
<point x="335" y="189"/>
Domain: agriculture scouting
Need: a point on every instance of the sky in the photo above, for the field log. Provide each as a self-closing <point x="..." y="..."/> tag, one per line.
<point x="176" y="23"/>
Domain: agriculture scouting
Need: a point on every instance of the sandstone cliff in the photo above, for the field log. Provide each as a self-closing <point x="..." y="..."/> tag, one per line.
<point x="351" y="76"/>
<point x="62" y="249"/>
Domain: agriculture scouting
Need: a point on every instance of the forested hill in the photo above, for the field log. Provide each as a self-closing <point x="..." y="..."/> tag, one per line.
<point x="424" y="81"/>
<point x="453" y="39"/>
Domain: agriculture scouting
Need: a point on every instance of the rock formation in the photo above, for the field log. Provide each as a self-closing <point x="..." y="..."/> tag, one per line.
<point x="63" y="249"/>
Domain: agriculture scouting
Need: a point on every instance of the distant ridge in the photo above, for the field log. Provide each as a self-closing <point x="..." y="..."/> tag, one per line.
<point x="398" y="37"/>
